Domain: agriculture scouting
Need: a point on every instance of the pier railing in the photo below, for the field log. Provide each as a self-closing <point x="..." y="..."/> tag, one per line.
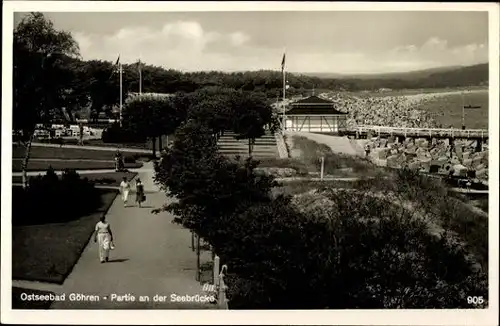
<point x="421" y="132"/>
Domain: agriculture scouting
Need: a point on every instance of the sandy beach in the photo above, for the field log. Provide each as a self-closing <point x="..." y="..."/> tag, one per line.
<point x="429" y="96"/>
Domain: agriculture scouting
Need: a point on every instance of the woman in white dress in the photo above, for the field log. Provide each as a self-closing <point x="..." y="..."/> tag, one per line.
<point x="125" y="190"/>
<point x="104" y="237"/>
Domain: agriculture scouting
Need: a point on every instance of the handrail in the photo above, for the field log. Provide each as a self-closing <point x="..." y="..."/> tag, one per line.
<point x="421" y="131"/>
<point x="407" y="128"/>
<point x="280" y="143"/>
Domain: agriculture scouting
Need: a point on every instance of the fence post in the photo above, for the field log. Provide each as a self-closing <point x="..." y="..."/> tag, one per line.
<point x="216" y="270"/>
<point x="222" y="301"/>
<point x="192" y="240"/>
<point x="322" y="167"/>
<point x="198" y="274"/>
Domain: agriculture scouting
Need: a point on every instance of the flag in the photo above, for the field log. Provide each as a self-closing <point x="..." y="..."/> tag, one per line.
<point x="115" y="67"/>
<point x="283" y="62"/>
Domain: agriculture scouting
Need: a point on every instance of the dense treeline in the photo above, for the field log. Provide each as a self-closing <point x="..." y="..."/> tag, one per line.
<point x="245" y="113"/>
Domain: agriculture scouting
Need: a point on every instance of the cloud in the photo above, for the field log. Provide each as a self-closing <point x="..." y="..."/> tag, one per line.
<point x="436" y="52"/>
<point x="182" y="45"/>
<point x="186" y="45"/>
<point x="239" y="38"/>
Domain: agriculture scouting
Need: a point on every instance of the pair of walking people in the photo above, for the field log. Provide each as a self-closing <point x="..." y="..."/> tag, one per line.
<point x="103" y="234"/>
<point x="125" y="188"/>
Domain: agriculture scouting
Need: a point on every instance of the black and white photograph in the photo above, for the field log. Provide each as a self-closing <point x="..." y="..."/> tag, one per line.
<point x="260" y="158"/>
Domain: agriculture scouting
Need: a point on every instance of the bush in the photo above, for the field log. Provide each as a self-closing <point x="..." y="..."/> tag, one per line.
<point x="129" y="158"/>
<point x="367" y="254"/>
<point x="291" y="163"/>
<point x="50" y="199"/>
<point x="116" y="134"/>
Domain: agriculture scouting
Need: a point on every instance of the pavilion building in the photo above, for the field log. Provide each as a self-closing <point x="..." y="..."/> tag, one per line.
<point x="314" y="114"/>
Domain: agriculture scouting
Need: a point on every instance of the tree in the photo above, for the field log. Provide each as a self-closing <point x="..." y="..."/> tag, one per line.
<point x="153" y="116"/>
<point x="101" y="85"/>
<point x="212" y="106"/>
<point x="251" y="114"/>
<point x="208" y="186"/>
<point x="43" y="78"/>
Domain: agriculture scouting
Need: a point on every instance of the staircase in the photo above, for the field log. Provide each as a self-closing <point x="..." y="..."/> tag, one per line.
<point x="264" y="146"/>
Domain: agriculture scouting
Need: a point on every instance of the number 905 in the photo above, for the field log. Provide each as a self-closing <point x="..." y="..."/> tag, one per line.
<point x="475" y="300"/>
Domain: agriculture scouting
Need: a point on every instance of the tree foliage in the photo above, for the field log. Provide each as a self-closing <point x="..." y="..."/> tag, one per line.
<point x="153" y="116"/>
<point x="207" y="185"/>
<point x="44" y="72"/>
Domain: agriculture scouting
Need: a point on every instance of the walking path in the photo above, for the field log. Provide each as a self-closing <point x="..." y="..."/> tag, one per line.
<point x="152" y="257"/>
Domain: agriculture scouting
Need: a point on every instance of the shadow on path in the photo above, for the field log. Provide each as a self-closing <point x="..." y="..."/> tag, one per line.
<point x="121" y="260"/>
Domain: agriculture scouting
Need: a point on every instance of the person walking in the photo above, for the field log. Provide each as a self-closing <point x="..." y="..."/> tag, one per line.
<point x="139" y="195"/>
<point x="125" y="190"/>
<point x="80" y="142"/>
<point x="104" y="237"/>
<point x="118" y="161"/>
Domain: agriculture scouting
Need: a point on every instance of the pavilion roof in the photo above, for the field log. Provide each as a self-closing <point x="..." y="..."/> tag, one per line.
<point x="313" y="105"/>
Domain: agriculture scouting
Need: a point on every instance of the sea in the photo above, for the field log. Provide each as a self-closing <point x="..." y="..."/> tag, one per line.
<point x="447" y="110"/>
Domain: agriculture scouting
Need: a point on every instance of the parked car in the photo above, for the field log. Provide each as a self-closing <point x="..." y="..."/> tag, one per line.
<point x="41" y="133"/>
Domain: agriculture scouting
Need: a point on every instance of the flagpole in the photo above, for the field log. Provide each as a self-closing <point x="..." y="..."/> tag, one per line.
<point x="140" y="78"/>
<point x="121" y="95"/>
<point x="463" y="111"/>
<point x="284" y="92"/>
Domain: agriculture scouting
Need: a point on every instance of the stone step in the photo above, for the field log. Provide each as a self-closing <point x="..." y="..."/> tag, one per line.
<point x="246" y="146"/>
<point x="255" y="156"/>
<point x="260" y="138"/>
<point x="244" y="141"/>
<point x="256" y="152"/>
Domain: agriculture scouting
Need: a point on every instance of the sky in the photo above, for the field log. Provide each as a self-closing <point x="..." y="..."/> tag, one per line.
<point x="344" y="42"/>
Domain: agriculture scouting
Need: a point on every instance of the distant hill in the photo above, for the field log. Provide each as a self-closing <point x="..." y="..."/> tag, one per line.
<point x="446" y="77"/>
<point x="406" y="75"/>
<point x="472" y="75"/>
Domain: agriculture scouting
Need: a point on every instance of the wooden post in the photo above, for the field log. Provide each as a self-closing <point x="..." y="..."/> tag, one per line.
<point x="192" y="240"/>
<point x="198" y="274"/>
<point x="322" y="166"/>
<point x="216" y="270"/>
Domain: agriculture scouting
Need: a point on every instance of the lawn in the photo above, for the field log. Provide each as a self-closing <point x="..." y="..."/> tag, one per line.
<point x="66" y="153"/>
<point x="18" y="303"/>
<point x="48" y="252"/>
<point x="99" y="142"/>
<point x="296" y="187"/>
<point x="107" y="179"/>
<point x="41" y="165"/>
<point x="336" y="164"/>
<point x="298" y="165"/>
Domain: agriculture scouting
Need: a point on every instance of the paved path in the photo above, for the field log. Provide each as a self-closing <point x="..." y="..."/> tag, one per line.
<point x="152" y="257"/>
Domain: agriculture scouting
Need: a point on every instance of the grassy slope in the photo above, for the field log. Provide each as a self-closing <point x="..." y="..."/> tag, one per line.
<point x="108" y="179"/>
<point x="40" y="165"/>
<point x="449" y="212"/>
